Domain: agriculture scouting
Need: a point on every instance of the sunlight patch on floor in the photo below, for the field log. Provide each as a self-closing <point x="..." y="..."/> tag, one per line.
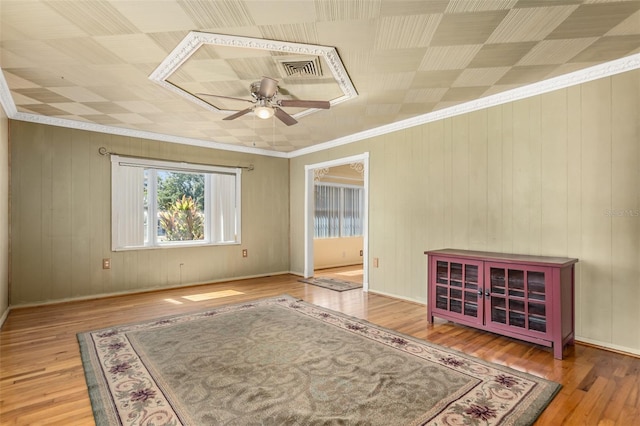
<point x="212" y="295"/>
<point x="351" y="273"/>
<point x="174" y="301"/>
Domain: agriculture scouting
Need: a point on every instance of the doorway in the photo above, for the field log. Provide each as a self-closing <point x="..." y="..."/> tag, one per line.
<point x="313" y="173"/>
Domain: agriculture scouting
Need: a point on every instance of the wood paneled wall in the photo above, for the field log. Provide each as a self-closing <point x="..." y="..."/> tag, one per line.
<point x="61" y="212"/>
<point x="555" y="174"/>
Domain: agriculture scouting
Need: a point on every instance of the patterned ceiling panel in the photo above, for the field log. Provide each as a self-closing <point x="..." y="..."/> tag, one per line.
<point x="90" y="61"/>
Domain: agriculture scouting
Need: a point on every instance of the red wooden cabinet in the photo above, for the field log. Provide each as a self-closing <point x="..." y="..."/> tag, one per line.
<point x="526" y="297"/>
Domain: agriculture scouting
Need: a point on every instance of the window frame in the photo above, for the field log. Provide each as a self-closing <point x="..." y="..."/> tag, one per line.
<point x="150" y="240"/>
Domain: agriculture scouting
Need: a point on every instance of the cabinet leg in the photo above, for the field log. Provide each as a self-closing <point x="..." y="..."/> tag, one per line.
<point x="557" y="350"/>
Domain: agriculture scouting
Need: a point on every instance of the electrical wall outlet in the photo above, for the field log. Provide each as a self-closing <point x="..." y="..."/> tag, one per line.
<point x="106" y="263"/>
<point x="245" y="253"/>
<point x="376" y="262"/>
<point x="360" y="252"/>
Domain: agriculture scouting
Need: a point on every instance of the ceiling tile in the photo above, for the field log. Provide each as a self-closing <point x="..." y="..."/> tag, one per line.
<point x="86" y="50"/>
<point x="467" y="28"/>
<point x="413" y="109"/>
<point x="299" y="33"/>
<point x="219" y="14"/>
<point x="43" y="95"/>
<point x="106" y="107"/>
<point x="340" y="10"/>
<point x="281" y="12"/>
<point x="359" y="35"/>
<point x="460" y="6"/>
<point x="471" y="77"/>
<point x="412" y="7"/>
<point x="629" y="26"/>
<point x="169" y="17"/>
<point x="449" y="57"/>
<point x="430" y="79"/>
<point x="525" y="75"/>
<point x="133" y="48"/>
<point x="594" y="20"/>
<point x="20" y="99"/>
<point x="383" y="109"/>
<point x="75" y="108"/>
<point x="555" y="51"/>
<point x="42" y="109"/>
<point x="608" y="48"/>
<point x="138" y="106"/>
<point x="37" y="20"/>
<point x="402" y="32"/>
<point x="131" y="118"/>
<point x="397" y="60"/>
<point x="34" y="78"/>
<point x="78" y="94"/>
<point x="94" y="17"/>
<point x="103" y="119"/>
<point x="430" y="95"/>
<point x="499" y="55"/>
<point x="530" y="24"/>
<point x="34" y="52"/>
<point x="463" y="93"/>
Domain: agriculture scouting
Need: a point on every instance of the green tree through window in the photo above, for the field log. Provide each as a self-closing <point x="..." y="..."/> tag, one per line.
<point x="172" y="186"/>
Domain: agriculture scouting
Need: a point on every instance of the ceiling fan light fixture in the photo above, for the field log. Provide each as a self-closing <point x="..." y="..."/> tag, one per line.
<point x="264" y="112"/>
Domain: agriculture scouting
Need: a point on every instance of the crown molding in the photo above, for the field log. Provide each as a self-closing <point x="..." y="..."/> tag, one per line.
<point x="5" y="97"/>
<point x="596" y="72"/>
<point x="120" y="131"/>
<point x="607" y="69"/>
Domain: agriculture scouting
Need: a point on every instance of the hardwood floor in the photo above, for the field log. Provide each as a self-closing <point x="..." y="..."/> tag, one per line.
<point x="42" y="380"/>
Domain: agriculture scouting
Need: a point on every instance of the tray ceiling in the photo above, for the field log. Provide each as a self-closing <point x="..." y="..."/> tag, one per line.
<point x="88" y="64"/>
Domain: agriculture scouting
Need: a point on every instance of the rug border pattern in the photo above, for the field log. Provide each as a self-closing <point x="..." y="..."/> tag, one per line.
<point x="140" y="400"/>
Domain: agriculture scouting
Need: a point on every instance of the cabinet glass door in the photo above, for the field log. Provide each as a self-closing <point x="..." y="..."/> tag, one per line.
<point x="457" y="289"/>
<point x="517" y="298"/>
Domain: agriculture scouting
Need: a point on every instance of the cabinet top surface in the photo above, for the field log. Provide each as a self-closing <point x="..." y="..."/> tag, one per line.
<point x="504" y="257"/>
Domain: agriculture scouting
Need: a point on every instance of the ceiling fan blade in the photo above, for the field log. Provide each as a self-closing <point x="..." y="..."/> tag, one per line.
<point x="238" y="114"/>
<point x="305" y="104"/>
<point x="268" y="87"/>
<point x="284" y="117"/>
<point x="224" y="97"/>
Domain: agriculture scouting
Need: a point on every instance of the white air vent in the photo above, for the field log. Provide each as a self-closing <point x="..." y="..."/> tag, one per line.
<point x="300" y="66"/>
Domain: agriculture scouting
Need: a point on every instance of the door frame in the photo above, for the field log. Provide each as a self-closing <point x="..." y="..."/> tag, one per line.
<point x="309" y="184"/>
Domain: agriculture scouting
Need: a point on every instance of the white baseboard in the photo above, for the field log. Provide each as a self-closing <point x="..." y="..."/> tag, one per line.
<point x="608" y="346"/>
<point x="395" y="296"/>
<point x="145" y="290"/>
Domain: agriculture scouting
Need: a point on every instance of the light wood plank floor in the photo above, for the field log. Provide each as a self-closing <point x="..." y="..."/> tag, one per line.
<point x="42" y="381"/>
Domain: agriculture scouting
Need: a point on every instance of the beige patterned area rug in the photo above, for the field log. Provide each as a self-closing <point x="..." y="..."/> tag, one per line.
<point x="282" y="361"/>
<point x="332" y="283"/>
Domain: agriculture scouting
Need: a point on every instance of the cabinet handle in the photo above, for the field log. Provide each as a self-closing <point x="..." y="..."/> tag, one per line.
<point x="487" y="294"/>
<point x="480" y="293"/>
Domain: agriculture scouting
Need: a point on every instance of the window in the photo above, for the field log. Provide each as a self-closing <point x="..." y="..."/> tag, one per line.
<point x="166" y="204"/>
<point x="338" y="211"/>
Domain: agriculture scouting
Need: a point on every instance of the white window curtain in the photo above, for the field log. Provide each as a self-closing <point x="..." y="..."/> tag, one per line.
<point x="128" y="205"/>
<point x="223" y="189"/>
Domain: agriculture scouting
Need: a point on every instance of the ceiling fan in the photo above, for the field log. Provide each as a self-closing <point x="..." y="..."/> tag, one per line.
<point x="266" y="103"/>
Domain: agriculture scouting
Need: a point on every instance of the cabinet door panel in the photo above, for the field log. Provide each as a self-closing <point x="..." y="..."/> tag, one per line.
<point x="456" y="291"/>
<point x="518" y="298"/>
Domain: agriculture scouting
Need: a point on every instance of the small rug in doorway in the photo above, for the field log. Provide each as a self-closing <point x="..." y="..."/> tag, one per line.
<point x="332" y="283"/>
<point x="280" y="361"/>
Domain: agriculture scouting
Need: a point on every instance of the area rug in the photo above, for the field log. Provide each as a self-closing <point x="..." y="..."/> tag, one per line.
<point x="332" y="283"/>
<point x="282" y="361"/>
